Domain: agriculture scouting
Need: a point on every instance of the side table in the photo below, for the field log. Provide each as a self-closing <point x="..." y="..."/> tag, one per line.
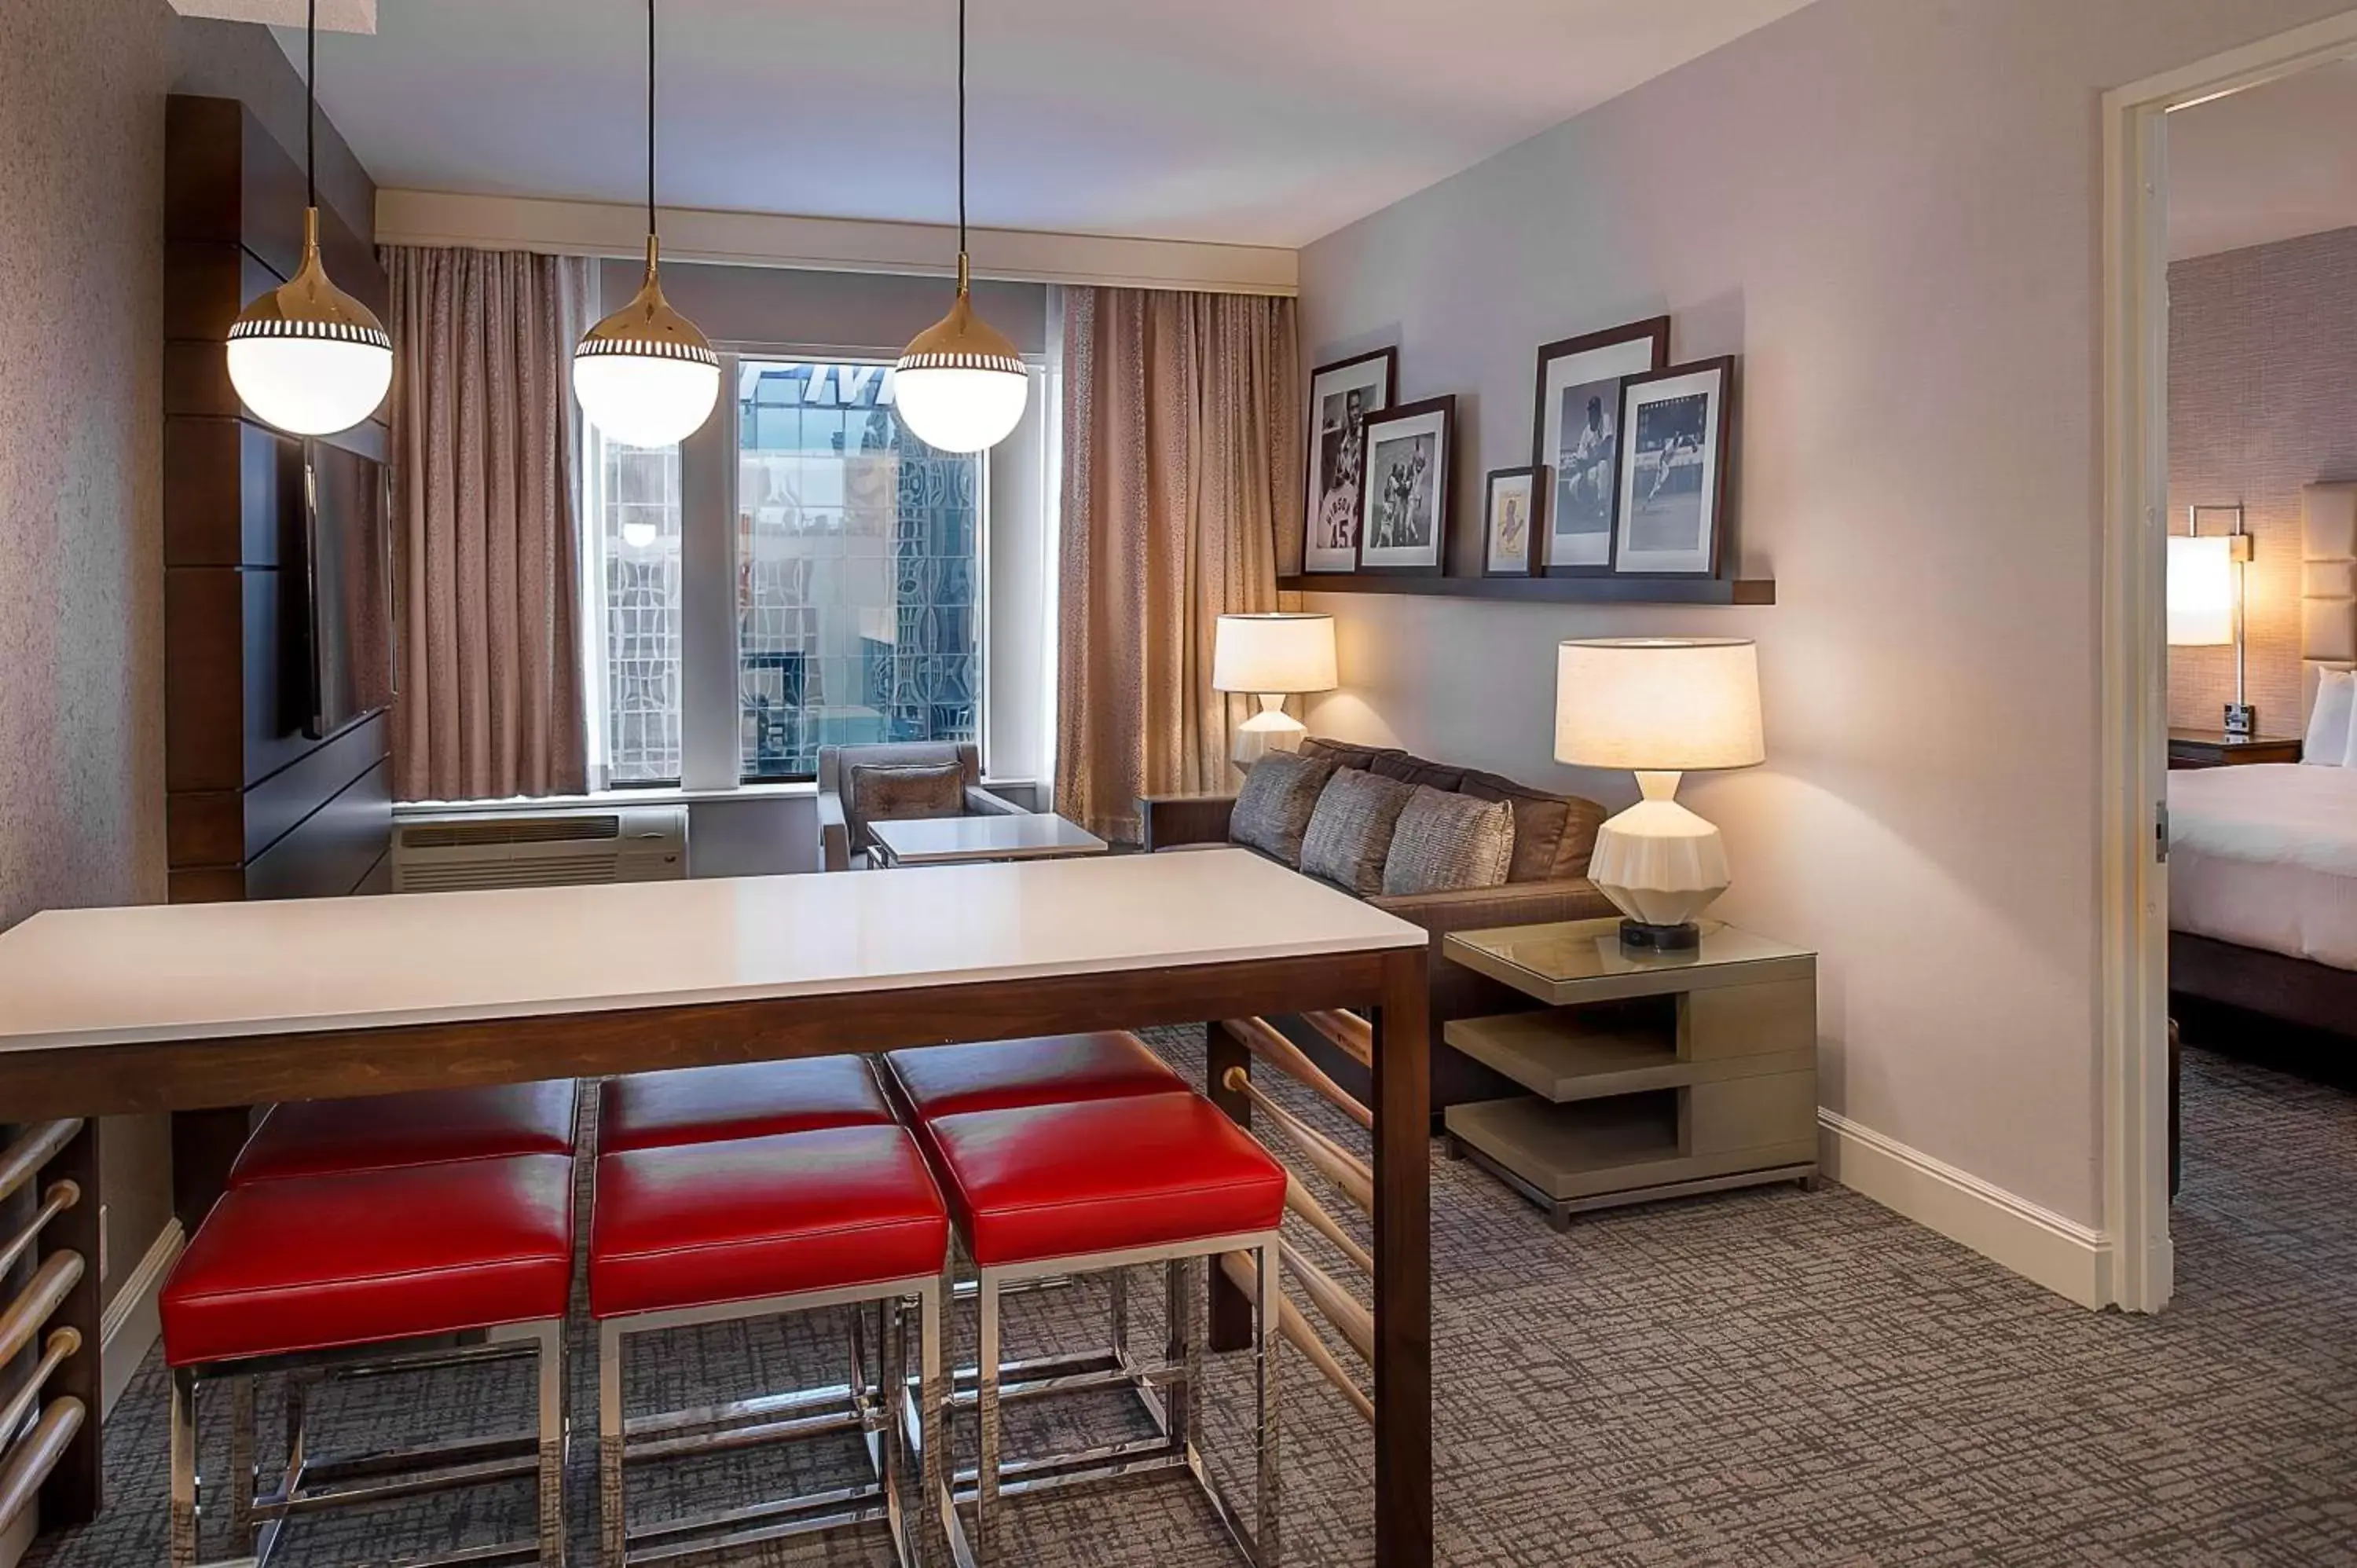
<point x="1651" y="1075"/>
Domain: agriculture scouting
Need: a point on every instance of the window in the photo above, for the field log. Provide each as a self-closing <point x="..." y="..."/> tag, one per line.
<point x="859" y="556"/>
<point x="857" y="553"/>
<point x="635" y="562"/>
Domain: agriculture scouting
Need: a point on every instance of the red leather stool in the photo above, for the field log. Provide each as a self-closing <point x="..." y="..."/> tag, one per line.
<point x="720" y="1230"/>
<point x="327" y="1137"/>
<point x="948" y="1081"/>
<point x="748" y="1100"/>
<point x="1110" y="1183"/>
<point x="299" y="1274"/>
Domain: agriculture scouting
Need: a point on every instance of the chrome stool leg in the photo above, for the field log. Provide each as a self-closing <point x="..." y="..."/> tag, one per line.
<point x="183" y="1549"/>
<point x="985" y="1491"/>
<point x="1182" y="1354"/>
<point x="613" y="1518"/>
<point x="1267" y="1535"/>
<point x="934" y="1406"/>
<point x="549" y="1363"/>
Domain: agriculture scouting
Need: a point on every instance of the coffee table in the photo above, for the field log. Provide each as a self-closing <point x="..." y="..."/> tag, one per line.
<point x="956" y="840"/>
<point x="1650" y="1074"/>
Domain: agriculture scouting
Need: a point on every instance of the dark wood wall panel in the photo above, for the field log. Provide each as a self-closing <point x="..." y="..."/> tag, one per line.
<point x="255" y="808"/>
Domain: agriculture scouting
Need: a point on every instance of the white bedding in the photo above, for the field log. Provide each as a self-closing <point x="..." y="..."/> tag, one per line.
<point x="2266" y="856"/>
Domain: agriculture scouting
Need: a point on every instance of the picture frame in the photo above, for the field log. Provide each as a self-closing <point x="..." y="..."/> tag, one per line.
<point x="1514" y="522"/>
<point x="1574" y="405"/>
<point x="1676" y="435"/>
<point x="1404" y="504"/>
<point x="1342" y="396"/>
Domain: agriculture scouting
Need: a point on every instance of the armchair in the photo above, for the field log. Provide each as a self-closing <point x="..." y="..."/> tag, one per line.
<point x="842" y="839"/>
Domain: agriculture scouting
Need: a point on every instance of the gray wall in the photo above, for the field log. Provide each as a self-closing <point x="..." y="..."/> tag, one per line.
<point x="1891" y="209"/>
<point x="82" y="266"/>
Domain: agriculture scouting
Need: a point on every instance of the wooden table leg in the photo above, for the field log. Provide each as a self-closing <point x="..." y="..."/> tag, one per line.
<point x="76" y="1490"/>
<point x="1402" y="1267"/>
<point x="204" y="1145"/>
<point x="1232" y="1309"/>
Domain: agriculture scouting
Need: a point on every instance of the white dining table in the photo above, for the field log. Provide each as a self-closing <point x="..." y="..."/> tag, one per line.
<point x="205" y="1010"/>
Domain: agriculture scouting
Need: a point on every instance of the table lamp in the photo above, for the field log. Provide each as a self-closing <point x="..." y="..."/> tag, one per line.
<point x="2205" y="601"/>
<point x="1274" y="656"/>
<point x="1663" y="707"/>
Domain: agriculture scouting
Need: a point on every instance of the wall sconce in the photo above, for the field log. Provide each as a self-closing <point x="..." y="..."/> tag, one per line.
<point x="2206" y="598"/>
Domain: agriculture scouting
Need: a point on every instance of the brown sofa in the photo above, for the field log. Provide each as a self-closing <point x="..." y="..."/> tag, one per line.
<point x="1553" y="835"/>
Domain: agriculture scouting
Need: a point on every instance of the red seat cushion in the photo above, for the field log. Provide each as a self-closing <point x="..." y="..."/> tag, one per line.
<point x="386" y="1132"/>
<point x="698" y="1224"/>
<point x="750" y="1100"/>
<point x="950" y="1081"/>
<point x="1055" y="1181"/>
<point x="371" y="1256"/>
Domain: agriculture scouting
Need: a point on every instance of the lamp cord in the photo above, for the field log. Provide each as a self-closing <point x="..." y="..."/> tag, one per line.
<point x="311" y="109"/>
<point x="650" y="114"/>
<point x="960" y="125"/>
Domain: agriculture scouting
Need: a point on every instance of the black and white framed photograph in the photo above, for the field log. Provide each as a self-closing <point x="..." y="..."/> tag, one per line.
<point x="1675" y="451"/>
<point x="1514" y="530"/>
<point x="1342" y="395"/>
<point x="1576" y="433"/>
<point x="1404" y="509"/>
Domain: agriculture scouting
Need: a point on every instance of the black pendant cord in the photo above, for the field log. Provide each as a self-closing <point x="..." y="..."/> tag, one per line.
<point x="961" y="126"/>
<point x="311" y="109"/>
<point x="650" y="114"/>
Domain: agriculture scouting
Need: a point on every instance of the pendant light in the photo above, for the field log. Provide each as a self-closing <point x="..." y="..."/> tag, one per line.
<point x="961" y="386"/>
<point x="645" y="376"/>
<point x="307" y="357"/>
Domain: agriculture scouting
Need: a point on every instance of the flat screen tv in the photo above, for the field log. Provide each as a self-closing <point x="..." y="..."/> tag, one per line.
<point x="348" y="572"/>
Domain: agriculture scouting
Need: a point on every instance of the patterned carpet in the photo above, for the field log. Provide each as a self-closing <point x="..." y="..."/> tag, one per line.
<point x="1757" y="1378"/>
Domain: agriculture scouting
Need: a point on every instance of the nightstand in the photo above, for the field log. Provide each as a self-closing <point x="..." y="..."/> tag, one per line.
<point x="1650" y="1074"/>
<point x="2216" y="749"/>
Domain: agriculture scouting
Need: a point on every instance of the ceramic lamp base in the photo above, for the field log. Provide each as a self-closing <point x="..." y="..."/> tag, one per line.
<point x="1660" y="864"/>
<point x="1271" y="729"/>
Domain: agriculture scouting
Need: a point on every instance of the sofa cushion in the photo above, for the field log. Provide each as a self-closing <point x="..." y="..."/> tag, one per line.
<point x="1273" y="807"/>
<point x="1351" y="832"/>
<point x="1417" y="771"/>
<point x="1554" y="834"/>
<point x="1443" y="843"/>
<point x="884" y="793"/>
<point x="1342" y="754"/>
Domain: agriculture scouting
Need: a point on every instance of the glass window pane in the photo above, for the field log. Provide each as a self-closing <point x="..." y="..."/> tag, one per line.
<point x="859" y="578"/>
<point x="638" y="541"/>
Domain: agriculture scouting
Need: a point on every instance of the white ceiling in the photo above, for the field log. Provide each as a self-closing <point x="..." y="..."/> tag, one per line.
<point x="2271" y="163"/>
<point x="335" y="16"/>
<point x="1260" y="122"/>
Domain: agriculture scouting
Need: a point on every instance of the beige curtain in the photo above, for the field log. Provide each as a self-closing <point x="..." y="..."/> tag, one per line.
<point x="490" y="700"/>
<point x="1181" y="472"/>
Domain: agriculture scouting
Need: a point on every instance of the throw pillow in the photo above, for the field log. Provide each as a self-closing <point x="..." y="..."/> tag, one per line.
<point x="884" y="793"/>
<point x="1443" y="843"/>
<point x="1554" y="834"/>
<point x="2329" y="726"/>
<point x="1273" y="809"/>
<point x="1351" y="830"/>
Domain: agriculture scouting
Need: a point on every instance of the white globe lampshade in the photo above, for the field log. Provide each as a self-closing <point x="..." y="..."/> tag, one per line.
<point x="644" y="400"/>
<point x="310" y="386"/>
<point x="961" y="410"/>
<point x="307" y="357"/>
<point x="961" y="387"/>
<point x="645" y="375"/>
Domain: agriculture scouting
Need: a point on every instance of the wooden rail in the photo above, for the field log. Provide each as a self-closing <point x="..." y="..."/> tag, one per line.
<point x="29" y="1464"/>
<point x="49" y="1454"/>
<point x="1331" y="1161"/>
<point x="35" y="1147"/>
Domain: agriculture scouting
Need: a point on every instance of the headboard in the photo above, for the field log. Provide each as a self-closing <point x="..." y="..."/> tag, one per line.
<point x="2328" y="585"/>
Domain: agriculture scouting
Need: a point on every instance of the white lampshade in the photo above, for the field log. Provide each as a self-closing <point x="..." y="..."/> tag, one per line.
<point x="2200" y="590"/>
<point x="306" y="356"/>
<point x="644" y="400"/>
<point x="1273" y="653"/>
<point x="1658" y="704"/>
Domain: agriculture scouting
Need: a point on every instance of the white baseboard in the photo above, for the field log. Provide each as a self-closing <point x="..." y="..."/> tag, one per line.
<point x="131" y="1323"/>
<point x="2061" y="1254"/>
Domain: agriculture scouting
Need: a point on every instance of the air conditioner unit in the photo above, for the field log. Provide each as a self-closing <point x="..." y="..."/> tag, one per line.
<point x="539" y="849"/>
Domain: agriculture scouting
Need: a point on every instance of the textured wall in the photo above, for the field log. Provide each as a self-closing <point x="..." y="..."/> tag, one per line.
<point x="1891" y="209"/>
<point x="2261" y="400"/>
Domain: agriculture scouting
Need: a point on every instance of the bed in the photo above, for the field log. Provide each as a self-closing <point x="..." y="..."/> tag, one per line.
<point x="2262" y="859"/>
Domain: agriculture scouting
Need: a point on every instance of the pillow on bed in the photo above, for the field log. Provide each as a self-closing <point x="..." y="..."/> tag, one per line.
<point x="2329" y="729"/>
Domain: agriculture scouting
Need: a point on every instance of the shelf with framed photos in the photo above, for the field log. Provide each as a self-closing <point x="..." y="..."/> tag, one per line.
<point x="1548" y="590"/>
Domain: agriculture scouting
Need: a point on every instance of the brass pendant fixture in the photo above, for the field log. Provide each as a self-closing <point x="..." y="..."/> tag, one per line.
<point x="646" y="376"/>
<point x="961" y="386"/>
<point x="307" y="357"/>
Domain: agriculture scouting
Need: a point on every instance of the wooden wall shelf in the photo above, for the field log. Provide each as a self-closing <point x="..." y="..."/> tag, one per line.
<point x="1549" y="590"/>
